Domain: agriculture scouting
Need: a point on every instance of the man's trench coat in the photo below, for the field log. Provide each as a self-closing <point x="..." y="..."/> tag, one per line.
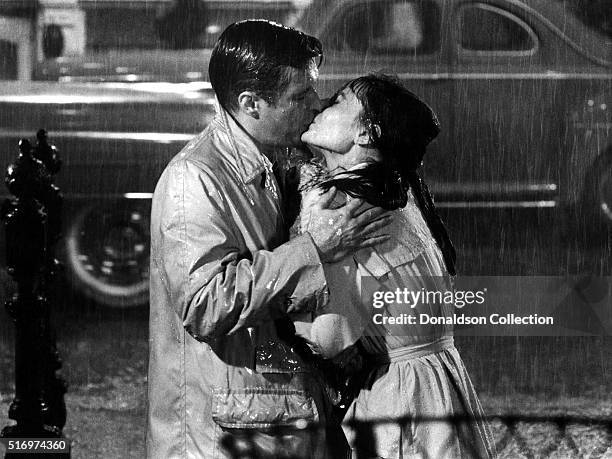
<point x="220" y="276"/>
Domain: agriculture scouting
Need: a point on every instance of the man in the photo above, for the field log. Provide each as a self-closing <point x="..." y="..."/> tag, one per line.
<point x="222" y="273"/>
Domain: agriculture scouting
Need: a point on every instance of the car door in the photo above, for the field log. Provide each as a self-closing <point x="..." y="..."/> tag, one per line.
<point x="505" y="98"/>
<point x="406" y="38"/>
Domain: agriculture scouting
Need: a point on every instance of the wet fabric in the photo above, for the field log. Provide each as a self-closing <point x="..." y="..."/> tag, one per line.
<point x="412" y="371"/>
<point x="222" y="273"/>
<point x="429" y="388"/>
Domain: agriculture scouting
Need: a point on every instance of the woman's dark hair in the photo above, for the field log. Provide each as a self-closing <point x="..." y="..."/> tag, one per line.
<point x="400" y="126"/>
<point x="253" y="55"/>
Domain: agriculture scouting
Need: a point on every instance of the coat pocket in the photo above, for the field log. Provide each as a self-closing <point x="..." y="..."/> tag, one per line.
<point x="262" y="408"/>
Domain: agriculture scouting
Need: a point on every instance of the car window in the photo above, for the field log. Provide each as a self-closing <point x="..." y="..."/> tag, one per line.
<point x="396" y="27"/>
<point x="486" y="28"/>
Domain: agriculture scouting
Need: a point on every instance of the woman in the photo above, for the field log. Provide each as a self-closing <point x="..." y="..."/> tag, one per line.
<point x="373" y="137"/>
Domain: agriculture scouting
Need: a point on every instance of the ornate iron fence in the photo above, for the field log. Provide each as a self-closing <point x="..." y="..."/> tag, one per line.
<point x="516" y="436"/>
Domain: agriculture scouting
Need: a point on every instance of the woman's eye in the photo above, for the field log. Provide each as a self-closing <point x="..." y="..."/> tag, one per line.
<point x="332" y="101"/>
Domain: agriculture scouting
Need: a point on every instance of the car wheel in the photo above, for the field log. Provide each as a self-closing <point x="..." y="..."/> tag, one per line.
<point x="107" y="253"/>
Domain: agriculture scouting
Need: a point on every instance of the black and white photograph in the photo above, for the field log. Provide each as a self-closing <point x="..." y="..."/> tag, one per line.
<point x="306" y="229"/>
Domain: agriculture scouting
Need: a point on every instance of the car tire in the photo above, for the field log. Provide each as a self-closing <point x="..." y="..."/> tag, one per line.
<point x="107" y="253"/>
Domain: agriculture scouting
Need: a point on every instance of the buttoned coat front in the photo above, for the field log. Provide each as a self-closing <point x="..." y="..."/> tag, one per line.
<point x="221" y="273"/>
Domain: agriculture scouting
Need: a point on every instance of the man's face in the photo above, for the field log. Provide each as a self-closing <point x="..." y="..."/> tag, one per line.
<point x="284" y="121"/>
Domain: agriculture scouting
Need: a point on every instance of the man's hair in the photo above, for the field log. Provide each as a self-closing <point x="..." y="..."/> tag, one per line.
<point x="253" y="55"/>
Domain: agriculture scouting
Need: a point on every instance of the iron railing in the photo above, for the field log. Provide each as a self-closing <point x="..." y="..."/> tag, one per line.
<point x="515" y="436"/>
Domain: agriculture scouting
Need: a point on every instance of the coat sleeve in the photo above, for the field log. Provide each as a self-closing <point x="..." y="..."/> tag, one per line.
<point x="213" y="285"/>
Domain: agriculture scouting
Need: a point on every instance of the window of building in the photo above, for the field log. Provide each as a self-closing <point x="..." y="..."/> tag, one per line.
<point x="8" y="60"/>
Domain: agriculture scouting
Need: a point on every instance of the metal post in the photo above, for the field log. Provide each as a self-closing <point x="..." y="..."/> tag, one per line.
<point x="32" y="220"/>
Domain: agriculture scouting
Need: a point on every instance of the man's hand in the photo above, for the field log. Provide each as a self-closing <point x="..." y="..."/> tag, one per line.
<point x="344" y="230"/>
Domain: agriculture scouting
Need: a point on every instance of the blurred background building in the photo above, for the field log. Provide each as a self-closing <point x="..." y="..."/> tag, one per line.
<point x="34" y="30"/>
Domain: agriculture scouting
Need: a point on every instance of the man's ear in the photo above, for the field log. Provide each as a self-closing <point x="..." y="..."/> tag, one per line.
<point x="363" y="136"/>
<point x="248" y="103"/>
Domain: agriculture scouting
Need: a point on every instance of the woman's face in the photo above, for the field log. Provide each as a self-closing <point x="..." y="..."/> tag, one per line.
<point x="336" y="128"/>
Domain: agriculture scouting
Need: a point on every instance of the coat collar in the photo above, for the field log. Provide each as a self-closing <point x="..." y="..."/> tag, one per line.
<point x="251" y="162"/>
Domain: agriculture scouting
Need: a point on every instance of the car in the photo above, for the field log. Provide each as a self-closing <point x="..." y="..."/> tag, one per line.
<point x="114" y="141"/>
<point x="523" y="90"/>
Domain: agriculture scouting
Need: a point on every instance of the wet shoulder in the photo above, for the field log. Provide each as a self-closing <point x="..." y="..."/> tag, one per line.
<point x="409" y="240"/>
<point x="210" y="151"/>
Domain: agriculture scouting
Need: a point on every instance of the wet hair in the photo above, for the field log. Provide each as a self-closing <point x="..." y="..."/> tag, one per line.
<point x="257" y="55"/>
<point x="400" y="126"/>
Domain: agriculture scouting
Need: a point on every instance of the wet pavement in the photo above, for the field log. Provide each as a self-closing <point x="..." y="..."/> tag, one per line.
<point x="104" y="356"/>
